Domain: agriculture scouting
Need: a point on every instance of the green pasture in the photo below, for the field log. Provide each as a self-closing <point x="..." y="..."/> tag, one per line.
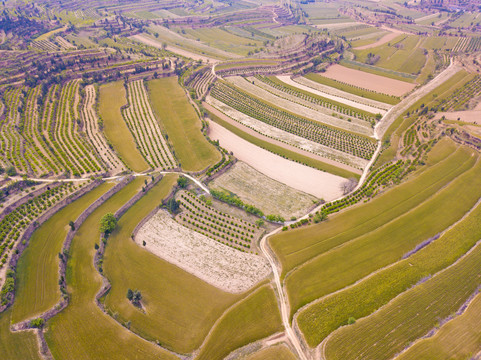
<point x="376" y="70"/>
<point x="254" y="318"/>
<point x="180" y="308"/>
<point x="285" y="153"/>
<point x="410" y="315"/>
<point x="182" y="125"/>
<point x="82" y="330"/>
<point x="320" y="319"/>
<point x="295" y="247"/>
<point x="402" y="54"/>
<point x="17" y="345"/>
<point x="224" y="40"/>
<point x="112" y="98"/>
<point x="384" y="98"/>
<point x="402" y="123"/>
<point x="385" y="245"/>
<point x="37" y="287"/>
<point x="457" y="339"/>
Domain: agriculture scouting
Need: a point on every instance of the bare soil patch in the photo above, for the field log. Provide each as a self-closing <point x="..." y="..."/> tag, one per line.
<point x="320" y="184"/>
<point x="219" y="265"/>
<point x="384" y="40"/>
<point x="471" y="116"/>
<point x="368" y="81"/>
<point x="251" y="186"/>
<point x="176" y="50"/>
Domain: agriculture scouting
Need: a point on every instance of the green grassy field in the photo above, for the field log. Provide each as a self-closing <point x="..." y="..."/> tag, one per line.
<point x="74" y="333"/>
<point x="410" y="315"/>
<point x="223" y="40"/>
<point x="457" y="339"/>
<point x="19" y="345"/>
<point x="371" y="251"/>
<point x="182" y="124"/>
<point x="320" y="319"/>
<point x="112" y="97"/>
<point x="180" y="308"/>
<point x="37" y="287"/>
<point x="402" y="123"/>
<point x="388" y="99"/>
<point x="253" y="318"/>
<point x="376" y="70"/>
<point x="279" y="150"/>
<point x="295" y="247"/>
<point x="276" y="352"/>
<point x="402" y="54"/>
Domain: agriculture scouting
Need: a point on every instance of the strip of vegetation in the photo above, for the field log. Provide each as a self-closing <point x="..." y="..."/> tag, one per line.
<point x="350" y="143"/>
<point x="285" y="153"/>
<point x="356" y="90"/>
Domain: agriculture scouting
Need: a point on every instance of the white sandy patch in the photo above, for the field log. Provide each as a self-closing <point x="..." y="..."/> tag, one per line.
<point x="219" y="265"/>
<point x="343" y="97"/>
<point x="323" y="185"/>
<point x="286" y="137"/>
<point x="381" y="84"/>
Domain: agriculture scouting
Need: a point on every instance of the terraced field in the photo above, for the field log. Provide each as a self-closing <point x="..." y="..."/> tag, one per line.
<point x="112" y="98"/>
<point x="328" y="136"/>
<point x="181" y="124"/>
<point x="145" y="128"/>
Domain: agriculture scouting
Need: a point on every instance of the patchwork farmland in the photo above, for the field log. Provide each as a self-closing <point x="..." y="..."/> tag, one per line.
<point x="240" y="180"/>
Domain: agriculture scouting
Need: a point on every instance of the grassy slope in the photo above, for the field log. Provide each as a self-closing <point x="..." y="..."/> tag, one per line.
<point x="320" y="319"/>
<point x="276" y="352"/>
<point x="458" y="339"/>
<point x="294" y="247"/>
<point x="182" y="124"/>
<point x="279" y="150"/>
<point x="402" y="123"/>
<point x="16" y="346"/>
<point x="82" y="330"/>
<point x="371" y="251"/>
<point x="353" y="89"/>
<point x="180" y="308"/>
<point x="37" y="272"/>
<point x="112" y="97"/>
<point x="410" y="315"/>
<point x="252" y="319"/>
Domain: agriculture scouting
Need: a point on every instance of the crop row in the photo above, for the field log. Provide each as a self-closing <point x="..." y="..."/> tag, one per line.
<point x="93" y="131"/>
<point x="41" y="133"/>
<point x="353" y="144"/>
<point x="474" y="44"/>
<point x="219" y="226"/>
<point x="376" y="180"/>
<point x="13" y="225"/>
<point x="329" y="104"/>
<point x="460" y="97"/>
<point x="145" y="128"/>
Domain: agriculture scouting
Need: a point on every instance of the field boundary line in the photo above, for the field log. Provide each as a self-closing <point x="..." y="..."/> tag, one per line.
<point x="374" y="273"/>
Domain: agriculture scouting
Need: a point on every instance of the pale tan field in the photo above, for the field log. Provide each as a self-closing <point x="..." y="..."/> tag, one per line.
<point x="471" y="116"/>
<point x="384" y="40"/>
<point x="320" y="184"/>
<point x="368" y="81"/>
<point x="217" y="264"/>
<point x="251" y="186"/>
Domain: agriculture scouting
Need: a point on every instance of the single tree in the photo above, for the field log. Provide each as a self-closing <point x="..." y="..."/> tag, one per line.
<point x="130" y="294"/>
<point x="108" y="223"/>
